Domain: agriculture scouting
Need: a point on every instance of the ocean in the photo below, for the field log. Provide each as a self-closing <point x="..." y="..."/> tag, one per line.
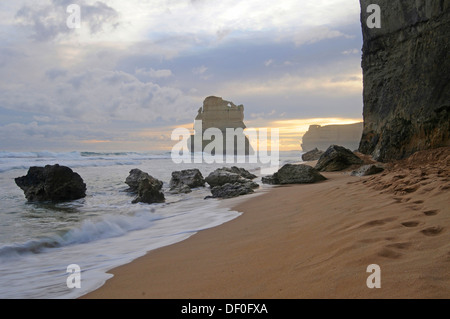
<point x="38" y="241"/>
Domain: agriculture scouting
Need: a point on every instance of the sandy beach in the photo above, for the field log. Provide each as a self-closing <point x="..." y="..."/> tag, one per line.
<point x="313" y="241"/>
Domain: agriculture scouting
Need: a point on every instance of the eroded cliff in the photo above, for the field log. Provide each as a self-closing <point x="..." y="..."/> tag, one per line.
<point x="321" y="137"/>
<point x="406" y="78"/>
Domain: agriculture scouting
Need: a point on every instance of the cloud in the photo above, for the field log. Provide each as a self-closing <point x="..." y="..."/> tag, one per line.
<point x="199" y="70"/>
<point x="99" y="96"/>
<point x="316" y="34"/>
<point x="351" y="51"/>
<point x="297" y="85"/>
<point x="151" y="73"/>
<point x="268" y="62"/>
<point x="135" y="66"/>
<point x="48" y="21"/>
<point x="54" y="73"/>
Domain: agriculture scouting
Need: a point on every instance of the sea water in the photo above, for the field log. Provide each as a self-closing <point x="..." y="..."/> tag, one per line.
<point x="38" y="241"/>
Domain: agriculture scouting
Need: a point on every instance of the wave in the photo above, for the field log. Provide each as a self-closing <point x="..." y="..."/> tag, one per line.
<point x="24" y="160"/>
<point x="88" y="231"/>
<point x="40" y="154"/>
<point x="82" y="155"/>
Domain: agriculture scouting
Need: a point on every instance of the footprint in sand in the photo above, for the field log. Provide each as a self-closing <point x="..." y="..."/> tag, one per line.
<point x="405" y="245"/>
<point x="414" y="207"/>
<point x="431" y="212"/>
<point x="411" y="224"/>
<point x="432" y="231"/>
<point x="378" y="222"/>
<point x="385" y="252"/>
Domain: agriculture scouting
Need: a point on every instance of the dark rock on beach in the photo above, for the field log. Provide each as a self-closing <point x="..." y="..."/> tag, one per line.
<point x="240" y="171"/>
<point x="183" y="181"/>
<point x="370" y="169"/>
<point x="51" y="183"/>
<point x="222" y="176"/>
<point x="294" y="174"/>
<point x="337" y="158"/>
<point x="233" y="190"/>
<point x="147" y="188"/>
<point x="270" y="179"/>
<point x="231" y="182"/>
<point x="312" y="155"/>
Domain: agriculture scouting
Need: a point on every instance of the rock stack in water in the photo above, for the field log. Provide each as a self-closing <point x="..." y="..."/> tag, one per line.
<point x="51" y="183"/>
<point x="222" y="116"/>
<point x="147" y="188"/>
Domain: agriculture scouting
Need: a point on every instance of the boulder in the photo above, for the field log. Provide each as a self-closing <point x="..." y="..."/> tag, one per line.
<point x="229" y="190"/>
<point x="180" y="189"/>
<point x="270" y="179"/>
<point x="337" y="158"/>
<point x="183" y="181"/>
<point x="147" y="188"/>
<point x="312" y="155"/>
<point x="294" y="174"/>
<point x="367" y="170"/>
<point x="51" y="183"/>
<point x="222" y="176"/>
<point x="149" y="191"/>
<point x="241" y="171"/>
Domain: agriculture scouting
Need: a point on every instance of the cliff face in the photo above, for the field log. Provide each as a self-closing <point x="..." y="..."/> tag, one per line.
<point x="406" y="78"/>
<point x="322" y="137"/>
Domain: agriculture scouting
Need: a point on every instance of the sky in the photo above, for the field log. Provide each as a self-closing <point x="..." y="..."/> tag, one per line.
<point x="135" y="70"/>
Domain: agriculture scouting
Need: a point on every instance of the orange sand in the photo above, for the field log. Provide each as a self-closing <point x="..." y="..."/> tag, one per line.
<point x="314" y="241"/>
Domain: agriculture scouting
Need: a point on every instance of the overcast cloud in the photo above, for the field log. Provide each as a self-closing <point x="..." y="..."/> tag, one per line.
<point x="136" y="69"/>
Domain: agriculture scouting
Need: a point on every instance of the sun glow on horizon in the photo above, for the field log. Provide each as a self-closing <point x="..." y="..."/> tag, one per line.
<point x="290" y="133"/>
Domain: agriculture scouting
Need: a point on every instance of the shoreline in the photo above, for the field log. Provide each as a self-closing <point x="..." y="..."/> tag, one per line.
<point x="310" y="241"/>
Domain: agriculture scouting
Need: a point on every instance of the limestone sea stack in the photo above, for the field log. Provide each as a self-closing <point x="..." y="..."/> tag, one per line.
<point x="217" y="113"/>
<point x="51" y="183"/>
<point x="406" y="78"/>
